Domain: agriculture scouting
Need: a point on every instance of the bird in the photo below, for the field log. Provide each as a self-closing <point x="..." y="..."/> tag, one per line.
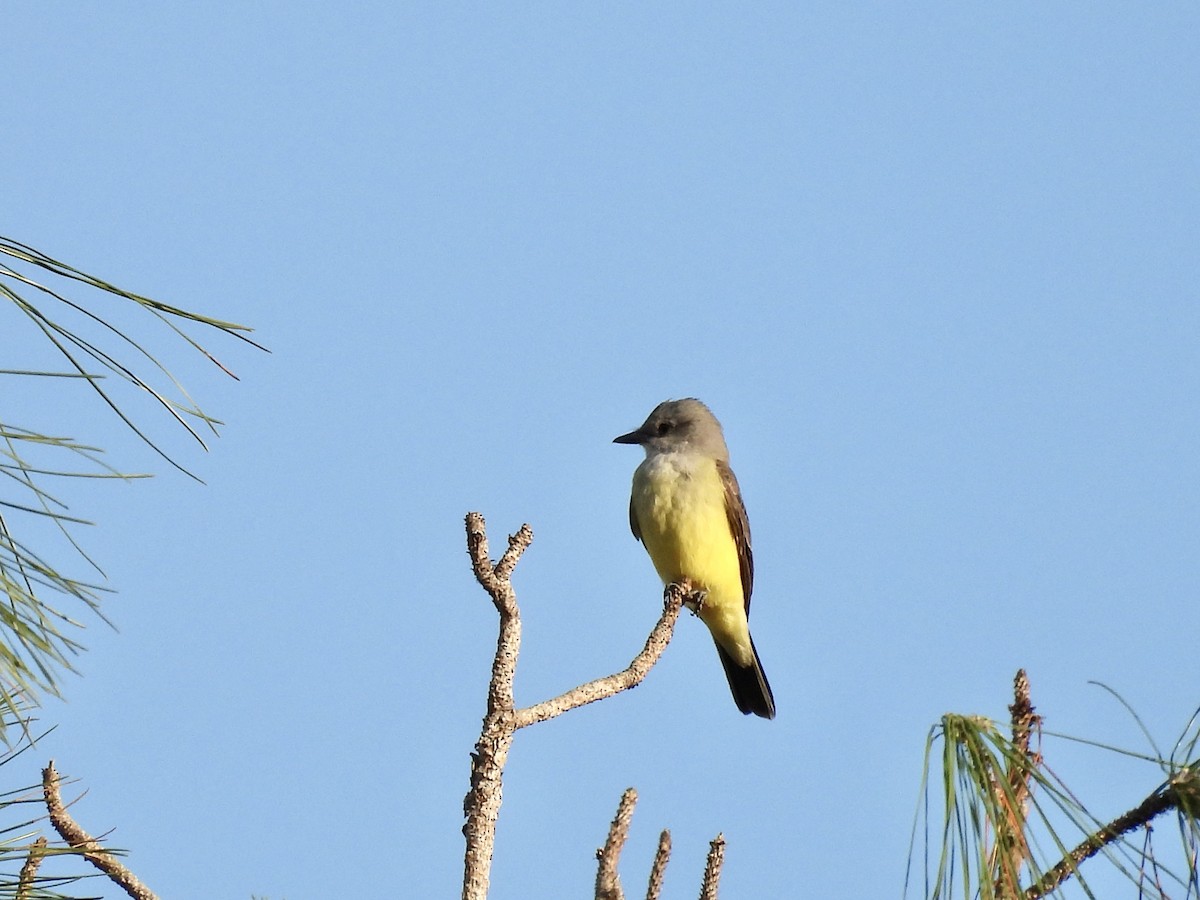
<point x="686" y="508"/>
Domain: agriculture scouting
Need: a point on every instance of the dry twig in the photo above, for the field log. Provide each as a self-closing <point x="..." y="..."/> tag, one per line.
<point x="659" y="868"/>
<point x="79" y="839"/>
<point x="608" y="882"/>
<point x="37" y="853"/>
<point x="610" y="685"/>
<point x="712" y="868"/>
<point x="482" y="803"/>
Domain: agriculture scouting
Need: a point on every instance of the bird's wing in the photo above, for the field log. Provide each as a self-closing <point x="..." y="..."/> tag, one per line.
<point x="739" y="526"/>
<point x="633" y="522"/>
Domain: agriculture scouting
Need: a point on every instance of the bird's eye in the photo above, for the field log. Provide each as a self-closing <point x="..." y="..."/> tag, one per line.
<point x="664" y="427"/>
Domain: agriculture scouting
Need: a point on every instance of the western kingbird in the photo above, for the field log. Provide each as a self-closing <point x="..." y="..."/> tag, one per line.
<point x="687" y="511"/>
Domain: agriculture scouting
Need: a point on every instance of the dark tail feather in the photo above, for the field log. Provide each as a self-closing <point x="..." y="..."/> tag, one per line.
<point x="749" y="685"/>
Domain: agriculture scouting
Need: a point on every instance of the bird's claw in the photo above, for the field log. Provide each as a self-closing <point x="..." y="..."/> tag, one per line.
<point x="693" y="597"/>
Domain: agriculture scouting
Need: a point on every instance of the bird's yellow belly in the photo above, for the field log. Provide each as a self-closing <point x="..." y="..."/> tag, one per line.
<point x="685" y="528"/>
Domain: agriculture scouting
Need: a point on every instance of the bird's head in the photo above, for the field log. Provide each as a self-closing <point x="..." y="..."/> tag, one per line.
<point x="679" y="426"/>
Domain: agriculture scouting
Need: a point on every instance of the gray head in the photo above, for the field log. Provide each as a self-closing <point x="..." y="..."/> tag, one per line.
<point x="680" y="425"/>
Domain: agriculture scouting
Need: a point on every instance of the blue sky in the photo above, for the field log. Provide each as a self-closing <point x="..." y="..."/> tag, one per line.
<point x="933" y="265"/>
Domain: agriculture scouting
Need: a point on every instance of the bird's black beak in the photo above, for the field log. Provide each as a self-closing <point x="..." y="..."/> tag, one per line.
<point x="634" y="437"/>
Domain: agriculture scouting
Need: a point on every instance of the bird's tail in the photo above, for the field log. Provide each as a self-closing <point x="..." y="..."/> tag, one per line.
<point x="751" y="692"/>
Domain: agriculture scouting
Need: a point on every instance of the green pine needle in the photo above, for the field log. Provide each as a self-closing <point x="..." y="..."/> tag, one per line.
<point x="88" y="350"/>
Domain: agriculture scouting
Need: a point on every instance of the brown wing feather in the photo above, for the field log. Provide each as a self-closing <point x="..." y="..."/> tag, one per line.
<point x="739" y="526"/>
<point x="633" y="522"/>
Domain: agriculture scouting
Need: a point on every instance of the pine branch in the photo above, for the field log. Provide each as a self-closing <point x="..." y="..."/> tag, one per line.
<point x="1012" y="794"/>
<point x="1178" y="793"/>
<point x="79" y="839"/>
<point x="37" y="852"/>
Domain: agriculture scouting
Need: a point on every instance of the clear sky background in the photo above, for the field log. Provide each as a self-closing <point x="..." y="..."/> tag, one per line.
<point x="934" y="266"/>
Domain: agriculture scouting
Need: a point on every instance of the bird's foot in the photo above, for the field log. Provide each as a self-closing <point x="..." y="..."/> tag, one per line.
<point x="693" y="597"/>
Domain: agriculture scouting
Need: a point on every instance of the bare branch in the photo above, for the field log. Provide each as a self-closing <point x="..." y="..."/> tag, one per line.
<point x="495" y="579"/>
<point x="712" y="868"/>
<point x="608" y="882"/>
<point x="481" y="805"/>
<point x="610" y="685"/>
<point x="37" y="853"/>
<point x="659" y="868"/>
<point x="79" y="839"/>
<point x="517" y="544"/>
